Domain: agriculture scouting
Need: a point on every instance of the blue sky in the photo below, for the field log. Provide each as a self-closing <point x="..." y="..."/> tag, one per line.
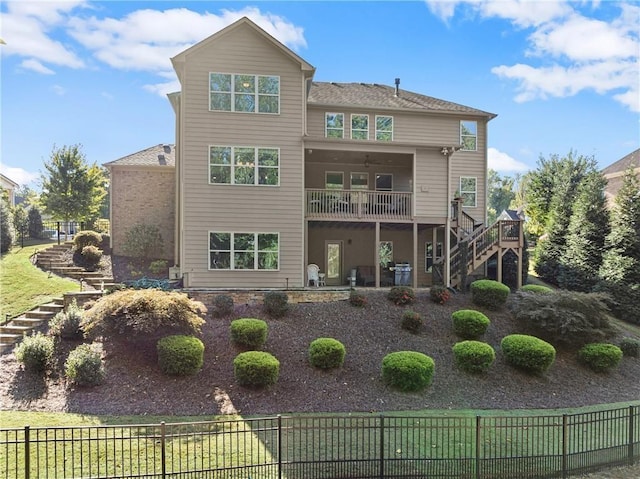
<point x="561" y="75"/>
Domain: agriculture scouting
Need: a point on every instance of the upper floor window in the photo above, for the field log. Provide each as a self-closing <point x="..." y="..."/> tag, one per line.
<point x="334" y="125"/>
<point x="244" y="165"/>
<point x="469" y="190"/>
<point x="249" y="251"/>
<point x="384" y="128"/>
<point x="244" y="93"/>
<point x="359" y="127"/>
<point x="469" y="135"/>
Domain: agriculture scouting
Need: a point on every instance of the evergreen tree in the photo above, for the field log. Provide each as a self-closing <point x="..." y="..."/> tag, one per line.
<point x="620" y="270"/>
<point x="6" y="228"/>
<point x="589" y="225"/>
<point x="569" y="172"/>
<point x="72" y="189"/>
<point x="35" y="223"/>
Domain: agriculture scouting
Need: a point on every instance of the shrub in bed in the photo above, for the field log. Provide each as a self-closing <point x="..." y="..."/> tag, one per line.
<point x="528" y="353"/>
<point x="630" y="347"/>
<point x="536" y="288"/>
<point x="180" y="355"/>
<point x="326" y="353"/>
<point x="222" y="305"/>
<point x="249" y="332"/>
<point x="488" y="293"/>
<point x="601" y="357"/>
<point x="84" y="365"/>
<point x="402" y="295"/>
<point x="276" y="304"/>
<point x="408" y="370"/>
<point x="66" y="324"/>
<point x="256" y="368"/>
<point x="411" y="321"/>
<point x="35" y="352"/>
<point x="474" y="356"/>
<point x="469" y="324"/>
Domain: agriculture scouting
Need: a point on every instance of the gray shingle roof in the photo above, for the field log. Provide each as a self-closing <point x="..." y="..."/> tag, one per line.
<point x="373" y="95"/>
<point x="158" y="155"/>
<point x="622" y="164"/>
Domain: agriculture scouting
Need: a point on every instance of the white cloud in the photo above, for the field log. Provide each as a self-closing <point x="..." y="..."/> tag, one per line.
<point x="20" y="176"/>
<point x="502" y="162"/>
<point x="36" y="66"/>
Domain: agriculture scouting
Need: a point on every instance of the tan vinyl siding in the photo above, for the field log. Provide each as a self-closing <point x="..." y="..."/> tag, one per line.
<point x="240" y="208"/>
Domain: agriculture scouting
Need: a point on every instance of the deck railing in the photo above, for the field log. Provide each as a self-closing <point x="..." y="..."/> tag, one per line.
<point x="315" y="447"/>
<point x="358" y="204"/>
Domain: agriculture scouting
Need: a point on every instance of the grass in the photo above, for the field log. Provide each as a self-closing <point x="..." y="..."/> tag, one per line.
<point x="23" y="286"/>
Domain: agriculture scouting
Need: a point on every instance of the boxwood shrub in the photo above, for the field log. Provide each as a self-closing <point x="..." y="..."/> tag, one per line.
<point x="249" y="332"/>
<point x="84" y="365"/>
<point x="35" y="352"/>
<point x="180" y="355"/>
<point x="256" y="368"/>
<point x="469" y="324"/>
<point x="474" y="356"/>
<point x="326" y="353"/>
<point x="408" y="370"/>
<point x="601" y="357"/>
<point x="488" y="293"/>
<point x="528" y="352"/>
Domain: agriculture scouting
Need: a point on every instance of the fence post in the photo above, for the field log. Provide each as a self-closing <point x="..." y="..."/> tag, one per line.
<point x="163" y="452"/>
<point x="564" y="446"/>
<point x="477" y="447"/>
<point x="27" y="453"/>
<point x="381" y="446"/>
<point x="279" y="446"/>
<point x="631" y="438"/>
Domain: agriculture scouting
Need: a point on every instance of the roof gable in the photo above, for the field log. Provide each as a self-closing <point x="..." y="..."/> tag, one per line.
<point x="158" y="155"/>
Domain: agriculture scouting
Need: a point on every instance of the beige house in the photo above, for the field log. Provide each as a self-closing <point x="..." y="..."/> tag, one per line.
<point x="614" y="173"/>
<point x="274" y="172"/>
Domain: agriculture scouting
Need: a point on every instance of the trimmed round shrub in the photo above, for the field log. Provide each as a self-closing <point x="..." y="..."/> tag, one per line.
<point x="528" y="353"/>
<point x="474" y="356"/>
<point x="66" y="324"/>
<point x="249" y="332"/>
<point x="536" y="288"/>
<point x="601" y="357"/>
<point x="488" y="293"/>
<point x="411" y="321"/>
<point x="408" y="370"/>
<point x="402" y="295"/>
<point x="35" y="352"/>
<point x="84" y="365"/>
<point x="276" y="304"/>
<point x="469" y="324"/>
<point x="180" y="355"/>
<point x="256" y="368"/>
<point x="222" y="305"/>
<point x="326" y="353"/>
<point x="630" y="347"/>
<point x="83" y="239"/>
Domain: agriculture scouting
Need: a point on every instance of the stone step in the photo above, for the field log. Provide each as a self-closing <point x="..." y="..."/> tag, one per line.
<point x="12" y="328"/>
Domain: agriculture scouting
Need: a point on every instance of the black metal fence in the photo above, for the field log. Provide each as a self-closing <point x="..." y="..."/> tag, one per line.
<point x="312" y="447"/>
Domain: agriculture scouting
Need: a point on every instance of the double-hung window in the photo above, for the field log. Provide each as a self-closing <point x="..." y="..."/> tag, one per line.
<point x="244" y="93"/>
<point x="241" y="165"/>
<point x="359" y="127"/>
<point x="384" y="128"/>
<point x="469" y="135"/>
<point x="469" y="190"/>
<point x="334" y="125"/>
<point x="244" y="251"/>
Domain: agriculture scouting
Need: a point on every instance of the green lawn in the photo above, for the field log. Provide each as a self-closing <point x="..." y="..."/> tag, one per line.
<point x="23" y="286"/>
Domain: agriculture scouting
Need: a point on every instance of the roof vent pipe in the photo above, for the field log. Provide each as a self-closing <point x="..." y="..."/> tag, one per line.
<point x="397" y="86"/>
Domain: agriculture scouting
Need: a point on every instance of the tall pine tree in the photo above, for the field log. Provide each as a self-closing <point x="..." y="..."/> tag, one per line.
<point x="588" y="227"/>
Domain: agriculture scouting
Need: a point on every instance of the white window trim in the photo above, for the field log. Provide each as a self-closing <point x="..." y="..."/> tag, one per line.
<point x="385" y="131"/>
<point x="475" y="192"/>
<point x="256" y="181"/>
<point x="470" y="136"/>
<point x="256" y="93"/>
<point x="232" y="250"/>
<point x="383" y="174"/>
<point x="360" y="130"/>
<point x="326" y="127"/>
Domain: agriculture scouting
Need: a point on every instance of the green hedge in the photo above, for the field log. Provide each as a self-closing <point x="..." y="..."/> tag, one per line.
<point x="180" y="355"/>
<point x="474" y="356"/>
<point x="469" y="324"/>
<point x="256" y="368"/>
<point x="326" y="353"/>
<point x="601" y="357"/>
<point x="408" y="370"/>
<point x="528" y="352"/>
<point x="249" y="332"/>
<point x="490" y="294"/>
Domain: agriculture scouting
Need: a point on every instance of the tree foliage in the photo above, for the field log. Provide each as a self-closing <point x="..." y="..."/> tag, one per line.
<point x="71" y="188"/>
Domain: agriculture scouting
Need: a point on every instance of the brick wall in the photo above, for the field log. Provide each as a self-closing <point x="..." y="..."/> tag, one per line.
<point x="143" y="196"/>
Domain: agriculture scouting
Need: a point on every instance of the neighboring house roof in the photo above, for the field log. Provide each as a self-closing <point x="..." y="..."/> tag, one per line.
<point x="373" y="95"/>
<point x="158" y="155"/>
<point x="622" y="164"/>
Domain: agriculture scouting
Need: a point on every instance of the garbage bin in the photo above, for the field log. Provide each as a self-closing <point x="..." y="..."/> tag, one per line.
<point x="402" y="274"/>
